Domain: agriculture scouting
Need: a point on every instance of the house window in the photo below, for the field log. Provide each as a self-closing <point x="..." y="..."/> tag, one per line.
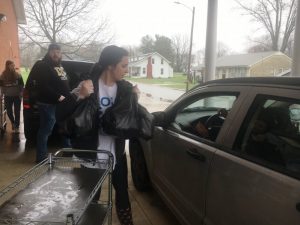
<point x="162" y="61"/>
<point x="153" y="61"/>
<point x="161" y="71"/>
<point x="144" y="70"/>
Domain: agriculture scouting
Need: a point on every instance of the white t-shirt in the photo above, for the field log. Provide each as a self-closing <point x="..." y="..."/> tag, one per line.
<point x="107" y="96"/>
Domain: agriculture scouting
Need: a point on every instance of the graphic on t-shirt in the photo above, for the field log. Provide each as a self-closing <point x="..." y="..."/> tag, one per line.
<point x="106" y="102"/>
<point x="61" y="73"/>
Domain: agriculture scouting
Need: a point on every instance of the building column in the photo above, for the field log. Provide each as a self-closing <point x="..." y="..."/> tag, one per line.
<point x="211" y="40"/>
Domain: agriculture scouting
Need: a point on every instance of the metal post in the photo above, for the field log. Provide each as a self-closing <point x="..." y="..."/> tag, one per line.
<point x="188" y="75"/>
<point x="211" y="40"/>
<point x="296" y="51"/>
<point x="190" y="51"/>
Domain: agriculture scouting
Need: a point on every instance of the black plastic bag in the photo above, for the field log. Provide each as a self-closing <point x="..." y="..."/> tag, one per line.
<point x="127" y="119"/>
<point x="83" y="120"/>
<point x="146" y="123"/>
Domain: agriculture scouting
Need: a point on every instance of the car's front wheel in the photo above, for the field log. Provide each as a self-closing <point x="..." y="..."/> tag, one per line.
<point x="139" y="172"/>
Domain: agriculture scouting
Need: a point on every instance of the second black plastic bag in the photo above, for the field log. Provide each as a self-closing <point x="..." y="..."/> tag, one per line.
<point x="127" y="119"/>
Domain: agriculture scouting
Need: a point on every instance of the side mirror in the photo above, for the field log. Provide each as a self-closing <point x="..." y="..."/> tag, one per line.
<point x="160" y="119"/>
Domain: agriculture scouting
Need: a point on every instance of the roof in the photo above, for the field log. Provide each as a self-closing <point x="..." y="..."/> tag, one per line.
<point x="20" y="11"/>
<point x="289" y="81"/>
<point x="245" y="60"/>
<point x="145" y="56"/>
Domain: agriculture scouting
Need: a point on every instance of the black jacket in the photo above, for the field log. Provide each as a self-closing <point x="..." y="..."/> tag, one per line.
<point x="90" y="142"/>
<point x="49" y="80"/>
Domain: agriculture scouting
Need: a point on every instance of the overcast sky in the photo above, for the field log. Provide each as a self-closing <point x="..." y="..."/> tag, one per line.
<point x="133" y="19"/>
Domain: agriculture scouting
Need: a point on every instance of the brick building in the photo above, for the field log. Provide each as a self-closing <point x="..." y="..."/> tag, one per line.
<point x="11" y="14"/>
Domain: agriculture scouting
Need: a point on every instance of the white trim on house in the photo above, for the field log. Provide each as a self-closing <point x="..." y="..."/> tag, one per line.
<point x="151" y="65"/>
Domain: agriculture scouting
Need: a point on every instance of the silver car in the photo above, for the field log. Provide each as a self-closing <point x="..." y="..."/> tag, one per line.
<point x="227" y="153"/>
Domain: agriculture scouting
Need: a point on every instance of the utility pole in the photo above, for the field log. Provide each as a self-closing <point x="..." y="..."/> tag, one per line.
<point x="191" y="44"/>
<point x="189" y="75"/>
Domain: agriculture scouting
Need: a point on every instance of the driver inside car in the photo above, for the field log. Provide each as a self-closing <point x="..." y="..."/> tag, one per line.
<point x="210" y="127"/>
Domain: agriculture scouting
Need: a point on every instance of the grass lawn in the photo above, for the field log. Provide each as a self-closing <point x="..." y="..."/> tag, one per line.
<point x="24" y="74"/>
<point x="176" y="82"/>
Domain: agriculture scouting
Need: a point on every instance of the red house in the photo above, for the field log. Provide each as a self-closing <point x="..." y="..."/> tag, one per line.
<point x="11" y="14"/>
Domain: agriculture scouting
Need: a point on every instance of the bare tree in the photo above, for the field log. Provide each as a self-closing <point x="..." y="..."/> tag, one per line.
<point x="223" y="49"/>
<point x="181" y="48"/>
<point x="277" y="18"/>
<point x="29" y="54"/>
<point x="260" y="44"/>
<point x="133" y="50"/>
<point x="89" y="52"/>
<point x="72" y="23"/>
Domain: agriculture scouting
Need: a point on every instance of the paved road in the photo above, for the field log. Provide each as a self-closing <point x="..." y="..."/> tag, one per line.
<point x="160" y="93"/>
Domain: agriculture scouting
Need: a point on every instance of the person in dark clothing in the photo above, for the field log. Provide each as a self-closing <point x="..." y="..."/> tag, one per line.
<point x="12" y="87"/>
<point x="107" y="81"/>
<point x="260" y="144"/>
<point x="51" y="86"/>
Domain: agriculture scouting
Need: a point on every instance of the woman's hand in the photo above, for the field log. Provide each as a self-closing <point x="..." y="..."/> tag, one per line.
<point x="136" y="90"/>
<point x="86" y="88"/>
<point x="61" y="98"/>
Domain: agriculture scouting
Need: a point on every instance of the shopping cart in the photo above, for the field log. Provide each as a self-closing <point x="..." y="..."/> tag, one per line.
<point x="59" y="190"/>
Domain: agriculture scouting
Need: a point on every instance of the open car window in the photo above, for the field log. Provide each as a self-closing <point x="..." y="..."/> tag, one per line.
<point x="204" y="116"/>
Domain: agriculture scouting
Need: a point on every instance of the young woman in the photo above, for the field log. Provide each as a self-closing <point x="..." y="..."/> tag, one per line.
<point x="108" y="84"/>
<point x="12" y="87"/>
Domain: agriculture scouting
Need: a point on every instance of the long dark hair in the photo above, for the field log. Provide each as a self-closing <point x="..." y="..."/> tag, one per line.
<point x="110" y="56"/>
<point x="9" y="75"/>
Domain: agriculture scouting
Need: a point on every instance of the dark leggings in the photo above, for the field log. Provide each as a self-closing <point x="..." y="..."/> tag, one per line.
<point x="13" y="107"/>
<point x="120" y="183"/>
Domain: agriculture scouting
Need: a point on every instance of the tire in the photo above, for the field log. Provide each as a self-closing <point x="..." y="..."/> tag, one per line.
<point x="139" y="171"/>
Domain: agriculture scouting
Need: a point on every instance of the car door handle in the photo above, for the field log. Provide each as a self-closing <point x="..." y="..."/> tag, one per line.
<point x="196" y="155"/>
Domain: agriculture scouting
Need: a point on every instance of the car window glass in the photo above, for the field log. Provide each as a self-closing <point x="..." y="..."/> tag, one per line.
<point x="204" y="117"/>
<point x="271" y="135"/>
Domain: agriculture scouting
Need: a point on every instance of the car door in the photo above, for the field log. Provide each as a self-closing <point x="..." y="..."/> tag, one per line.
<point x="256" y="180"/>
<point x="181" y="158"/>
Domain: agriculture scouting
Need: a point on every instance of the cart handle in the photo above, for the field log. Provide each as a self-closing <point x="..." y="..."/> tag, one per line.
<point x="72" y="150"/>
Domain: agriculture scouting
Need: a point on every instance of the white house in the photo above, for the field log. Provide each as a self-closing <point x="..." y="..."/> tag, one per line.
<point x="151" y="65"/>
